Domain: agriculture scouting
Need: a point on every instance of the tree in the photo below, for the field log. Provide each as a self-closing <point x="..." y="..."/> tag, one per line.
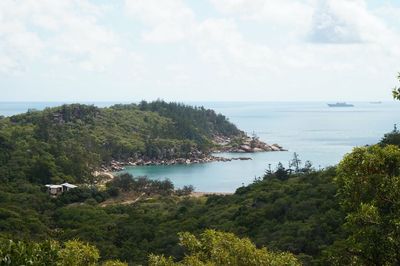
<point x="114" y="263"/>
<point x="308" y="167"/>
<point x="392" y="137"/>
<point x="123" y="182"/>
<point x="184" y="191"/>
<point x="20" y="253"/>
<point x="295" y="162"/>
<point x="51" y="253"/>
<point x="281" y="172"/>
<point x="219" y="248"/>
<point x="254" y="140"/>
<point x="76" y="253"/>
<point x="369" y="192"/>
<point x="396" y="90"/>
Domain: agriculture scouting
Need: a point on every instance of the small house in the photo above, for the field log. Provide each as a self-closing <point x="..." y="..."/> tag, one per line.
<point x="67" y="186"/>
<point x="56" y="190"/>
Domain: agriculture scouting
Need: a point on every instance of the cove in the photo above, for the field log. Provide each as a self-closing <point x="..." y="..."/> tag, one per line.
<point x="312" y="129"/>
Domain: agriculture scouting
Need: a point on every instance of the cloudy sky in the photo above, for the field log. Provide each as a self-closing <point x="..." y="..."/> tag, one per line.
<point x="264" y="50"/>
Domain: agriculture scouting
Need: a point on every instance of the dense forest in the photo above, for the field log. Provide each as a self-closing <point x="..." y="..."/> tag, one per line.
<point x="69" y="142"/>
<point x="342" y="215"/>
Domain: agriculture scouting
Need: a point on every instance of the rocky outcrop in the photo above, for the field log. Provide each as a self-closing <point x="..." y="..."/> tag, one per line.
<point x="116" y="166"/>
<point x="244" y="144"/>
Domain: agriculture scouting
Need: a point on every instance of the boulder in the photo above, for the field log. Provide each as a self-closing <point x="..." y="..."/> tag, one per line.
<point x="275" y="148"/>
<point x="246" y="148"/>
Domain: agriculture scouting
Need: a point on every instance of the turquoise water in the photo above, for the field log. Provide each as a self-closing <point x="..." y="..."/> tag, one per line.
<point x="312" y="129"/>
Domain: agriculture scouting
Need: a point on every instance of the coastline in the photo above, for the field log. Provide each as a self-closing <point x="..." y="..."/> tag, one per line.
<point x="242" y="144"/>
<point x="116" y="166"/>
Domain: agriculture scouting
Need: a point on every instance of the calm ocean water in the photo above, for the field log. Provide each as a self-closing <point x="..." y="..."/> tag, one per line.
<point x="312" y="129"/>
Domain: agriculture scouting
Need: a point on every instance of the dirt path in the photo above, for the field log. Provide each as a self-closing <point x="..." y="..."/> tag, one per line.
<point x="128" y="202"/>
<point x="126" y="199"/>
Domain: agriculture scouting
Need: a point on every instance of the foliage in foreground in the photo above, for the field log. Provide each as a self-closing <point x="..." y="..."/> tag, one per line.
<point x="369" y="192"/>
<point x="211" y="248"/>
<point x="71" y="253"/>
<point x="218" y="248"/>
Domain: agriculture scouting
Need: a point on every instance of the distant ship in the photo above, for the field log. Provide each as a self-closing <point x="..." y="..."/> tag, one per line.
<point x="378" y="102"/>
<point x="342" y="104"/>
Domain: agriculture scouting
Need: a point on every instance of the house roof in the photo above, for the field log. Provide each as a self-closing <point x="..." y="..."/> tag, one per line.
<point x="53" y="186"/>
<point x="68" y="185"/>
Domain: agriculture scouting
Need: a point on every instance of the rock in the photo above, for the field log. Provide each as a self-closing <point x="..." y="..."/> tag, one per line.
<point x="275" y="148"/>
<point x="241" y="158"/>
<point x="246" y="148"/>
<point x="258" y="150"/>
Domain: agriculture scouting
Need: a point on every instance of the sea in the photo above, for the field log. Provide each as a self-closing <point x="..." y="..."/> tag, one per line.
<point x="316" y="132"/>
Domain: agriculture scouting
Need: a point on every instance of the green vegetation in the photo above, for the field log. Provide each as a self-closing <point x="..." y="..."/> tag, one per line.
<point x="369" y="182"/>
<point x="212" y="248"/>
<point x="71" y="253"/>
<point x="297" y="214"/>
<point x="68" y="143"/>
<point x="391" y="138"/>
<point x="217" y="248"/>
<point x="344" y="215"/>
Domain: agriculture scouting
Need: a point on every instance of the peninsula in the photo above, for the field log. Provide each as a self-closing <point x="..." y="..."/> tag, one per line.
<point x="80" y="139"/>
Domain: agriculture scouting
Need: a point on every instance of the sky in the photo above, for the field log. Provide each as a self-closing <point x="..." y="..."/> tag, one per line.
<point x="199" y="50"/>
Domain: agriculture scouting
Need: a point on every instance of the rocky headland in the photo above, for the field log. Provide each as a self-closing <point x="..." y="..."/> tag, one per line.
<point x="244" y="144"/>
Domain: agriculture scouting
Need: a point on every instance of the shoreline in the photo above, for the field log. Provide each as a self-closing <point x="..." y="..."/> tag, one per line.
<point x="243" y="145"/>
<point x="116" y="166"/>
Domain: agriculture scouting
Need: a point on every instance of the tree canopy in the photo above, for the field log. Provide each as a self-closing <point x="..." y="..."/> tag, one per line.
<point x="369" y="192"/>
<point x="218" y="248"/>
<point x="67" y="143"/>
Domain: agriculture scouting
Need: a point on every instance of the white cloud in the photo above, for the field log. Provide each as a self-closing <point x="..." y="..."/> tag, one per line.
<point x="332" y="25"/>
<point x="220" y="42"/>
<point x="168" y="20"/>
<point x="292" y="15"/>
<point x="64" y="29"/>
<point x="348" y="21"/>
<point x="166" y="47"/>
<point x="389" y="14"/>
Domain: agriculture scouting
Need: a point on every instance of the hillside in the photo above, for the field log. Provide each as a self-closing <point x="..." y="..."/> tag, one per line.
<point x="344" y="215"/>
<point x="299" y="214"/>
<point x="70" y="141"/>
<point x="328" y="217"/>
